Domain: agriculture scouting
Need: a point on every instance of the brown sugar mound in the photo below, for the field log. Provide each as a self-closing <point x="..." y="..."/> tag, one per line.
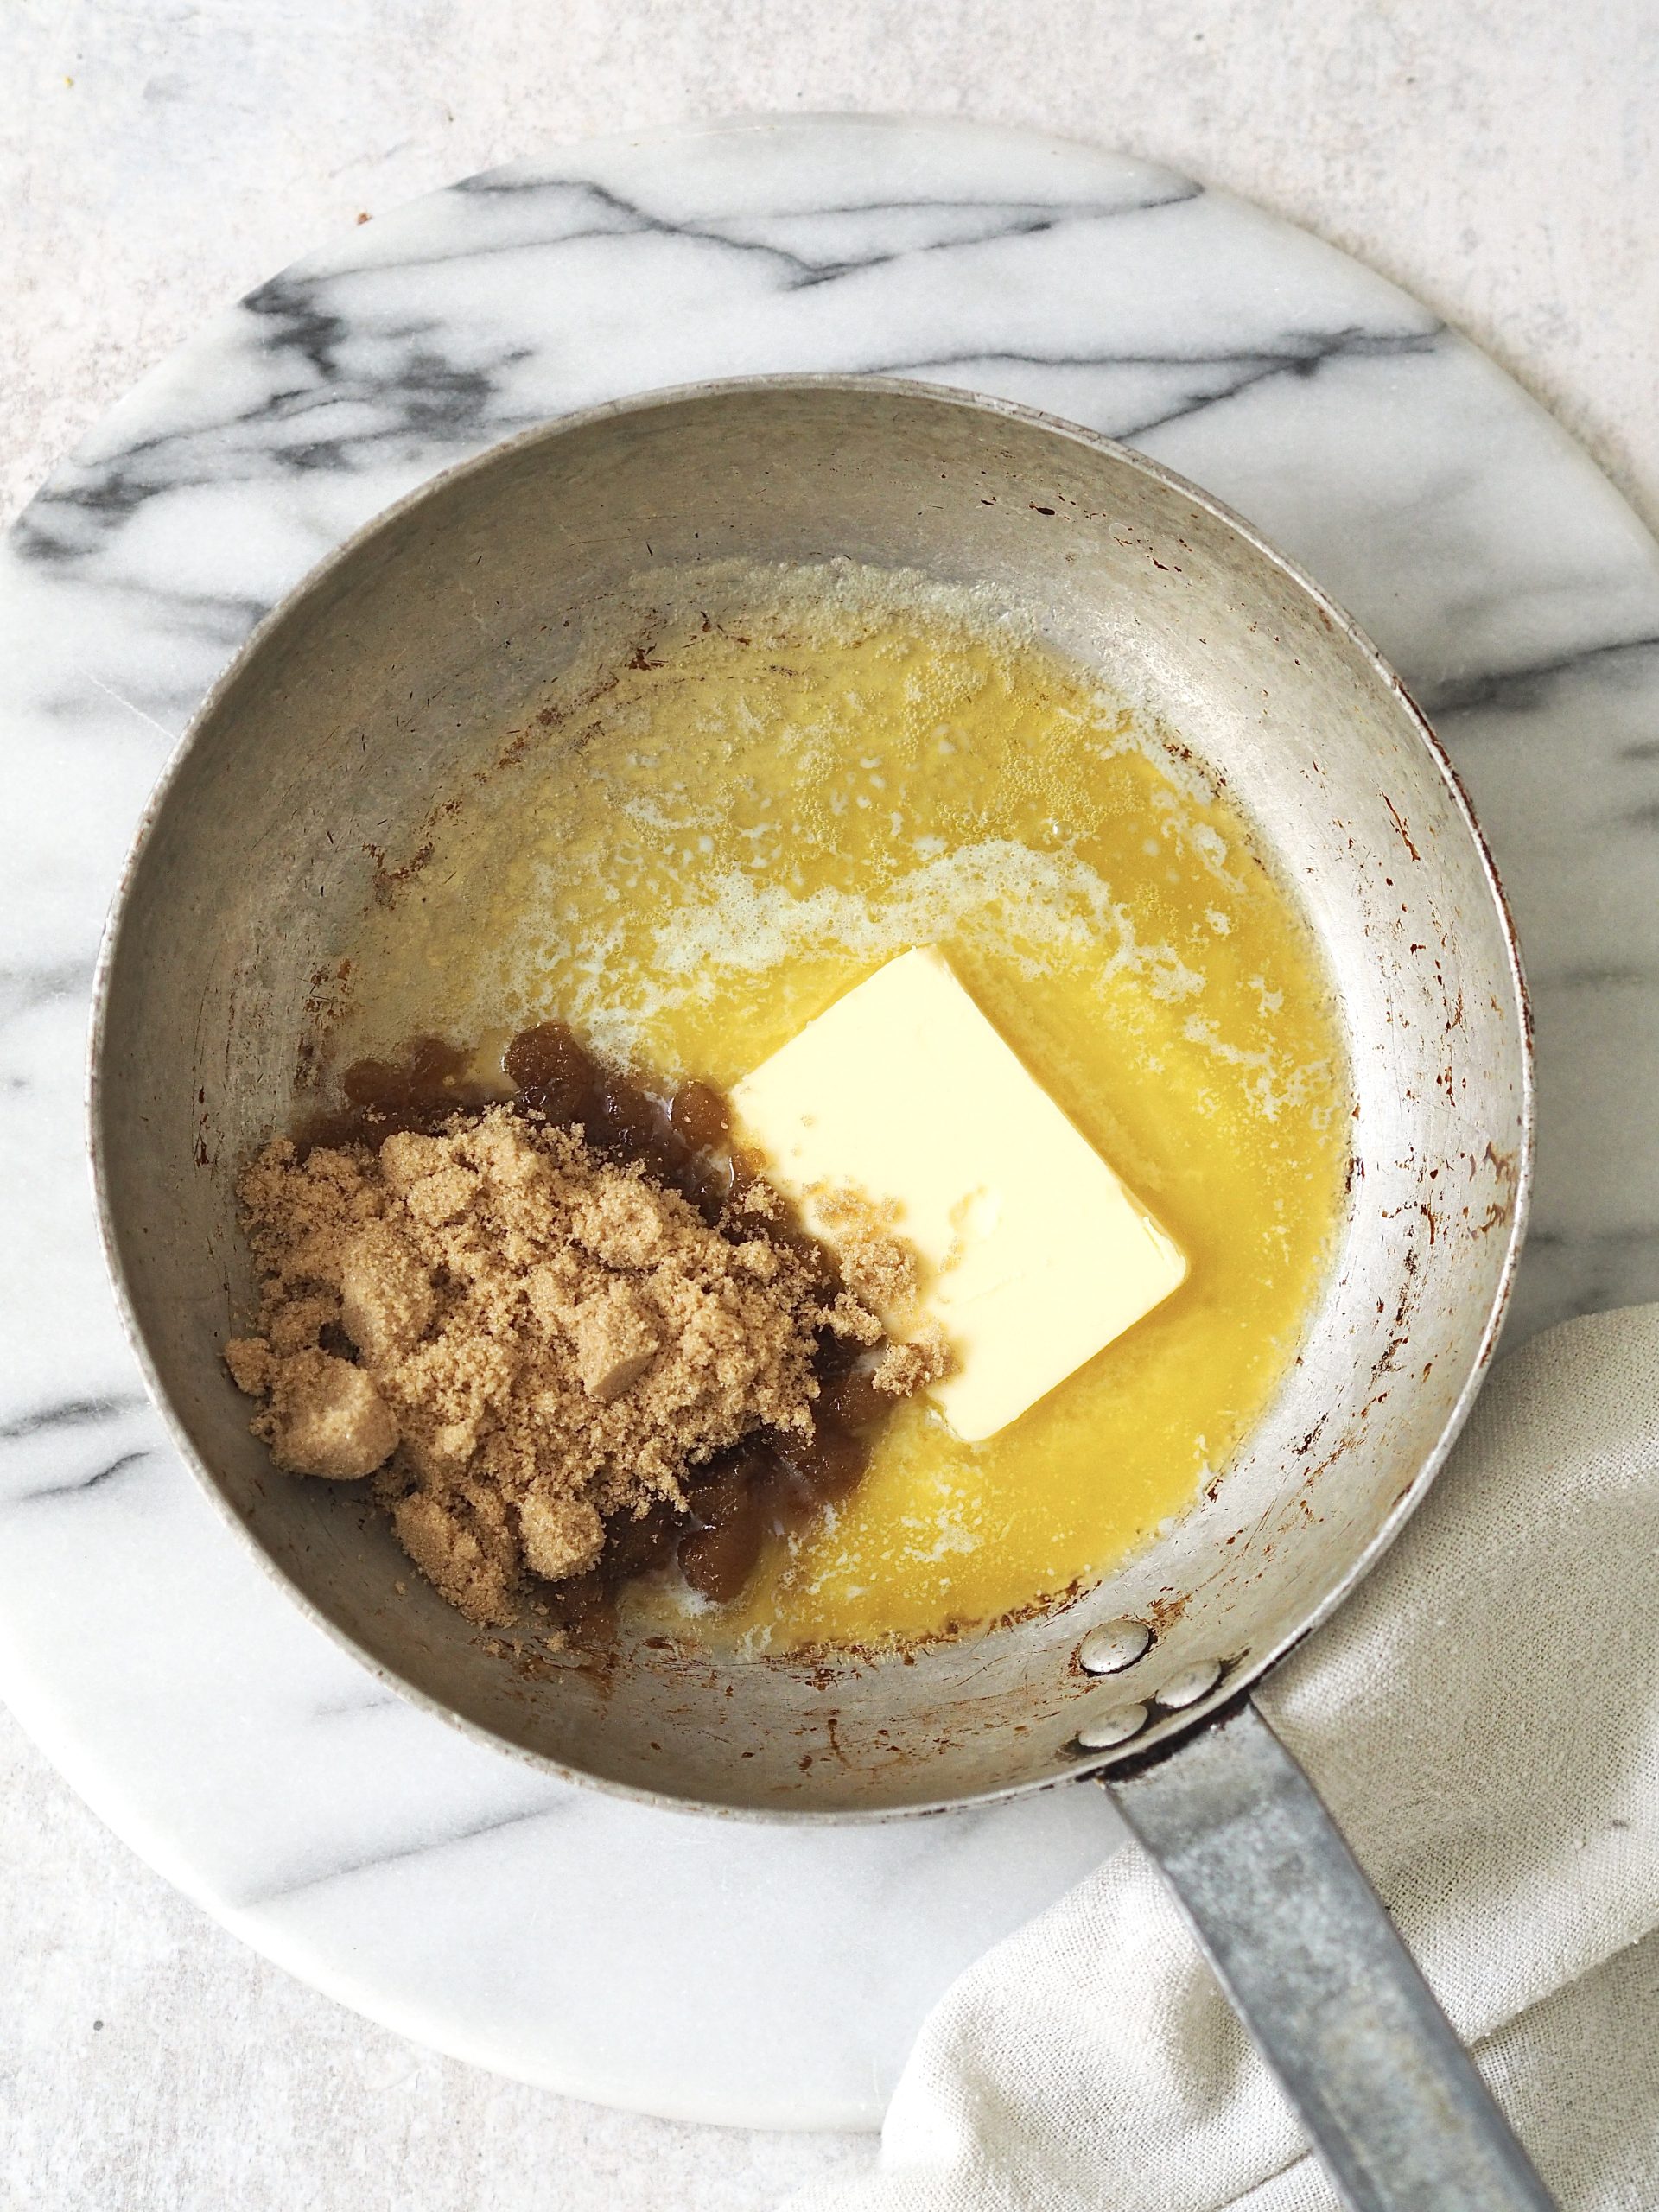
<point x="526" y="1341"/>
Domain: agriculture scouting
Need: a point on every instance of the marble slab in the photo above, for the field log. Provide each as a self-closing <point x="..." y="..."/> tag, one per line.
<point x="693" y="1967"/>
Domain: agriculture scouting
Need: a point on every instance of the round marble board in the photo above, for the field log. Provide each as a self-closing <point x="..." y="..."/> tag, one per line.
<point x="689" y="1967"/>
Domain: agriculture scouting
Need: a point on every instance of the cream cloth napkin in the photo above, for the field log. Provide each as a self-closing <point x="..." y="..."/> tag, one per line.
<point x="1483" y="1719"/>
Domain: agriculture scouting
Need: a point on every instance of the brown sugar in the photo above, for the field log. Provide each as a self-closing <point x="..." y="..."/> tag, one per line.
<point x="617" y="1333"/>
<point x="325" y="1416"/>
<point x="876" y="1264"/>
<point x="903" y="1369"/>
<point x="531" y="1345"/>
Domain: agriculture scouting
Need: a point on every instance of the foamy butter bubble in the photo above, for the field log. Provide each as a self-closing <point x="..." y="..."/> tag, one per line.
<point x="1028" y="905"/>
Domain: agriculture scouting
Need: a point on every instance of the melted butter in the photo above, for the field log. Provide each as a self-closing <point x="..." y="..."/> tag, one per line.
<point x="759" y="813"/>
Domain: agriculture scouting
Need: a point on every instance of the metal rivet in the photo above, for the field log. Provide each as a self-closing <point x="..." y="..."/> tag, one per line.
<point x="1111" y="1728"/>
<point x="1188" y="1686"/>
<point x="1109" y="1649"/>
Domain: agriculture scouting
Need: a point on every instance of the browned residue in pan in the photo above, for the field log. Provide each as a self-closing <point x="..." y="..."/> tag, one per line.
<point x="1166" y="1610"/>
<point x="1401" y="825"/>
<point x="388" y="881"/>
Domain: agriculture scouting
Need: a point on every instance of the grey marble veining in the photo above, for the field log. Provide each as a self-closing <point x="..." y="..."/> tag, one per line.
<point x="347" y="1836"/>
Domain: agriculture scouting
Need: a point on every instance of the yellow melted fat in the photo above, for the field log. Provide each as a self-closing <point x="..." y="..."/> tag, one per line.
<point x="756" y="815"/>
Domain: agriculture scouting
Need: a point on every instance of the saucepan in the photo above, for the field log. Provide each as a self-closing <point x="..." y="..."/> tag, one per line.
<point x="387" y="679"/>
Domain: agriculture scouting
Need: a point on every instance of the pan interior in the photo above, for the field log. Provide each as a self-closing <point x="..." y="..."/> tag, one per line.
<point x="390" y="676"/>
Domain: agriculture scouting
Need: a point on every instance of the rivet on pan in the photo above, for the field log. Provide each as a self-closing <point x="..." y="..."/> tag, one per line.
<point x="1111" y="1728"/>
<point x="1109" y="1649"/>
<point x="1188" y="1686"/>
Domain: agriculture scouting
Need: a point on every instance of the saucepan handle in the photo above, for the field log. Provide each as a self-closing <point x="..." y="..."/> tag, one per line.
<point x="1393" y="2106"/>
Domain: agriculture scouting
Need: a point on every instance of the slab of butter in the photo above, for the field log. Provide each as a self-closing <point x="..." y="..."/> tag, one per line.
<point x="1034" y="1255"/>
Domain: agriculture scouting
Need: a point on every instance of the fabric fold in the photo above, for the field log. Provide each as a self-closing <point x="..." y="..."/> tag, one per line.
<point x="1482" y="1717"/>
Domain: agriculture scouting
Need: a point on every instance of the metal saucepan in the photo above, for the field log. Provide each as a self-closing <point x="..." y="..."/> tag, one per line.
<point x="389" y="677"/>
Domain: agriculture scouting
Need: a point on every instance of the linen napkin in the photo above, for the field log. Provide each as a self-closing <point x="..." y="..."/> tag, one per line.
<point x="1483" y="1719"/>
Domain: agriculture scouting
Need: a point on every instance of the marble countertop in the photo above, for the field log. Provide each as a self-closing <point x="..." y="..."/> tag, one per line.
<point x="147" y="2057"/>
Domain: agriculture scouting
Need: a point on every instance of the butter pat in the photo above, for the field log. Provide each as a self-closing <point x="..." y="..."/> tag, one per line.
<point x="1034" y="1254"/>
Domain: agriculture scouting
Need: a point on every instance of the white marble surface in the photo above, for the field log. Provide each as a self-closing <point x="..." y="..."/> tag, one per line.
<point x="1557" y="611"/>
